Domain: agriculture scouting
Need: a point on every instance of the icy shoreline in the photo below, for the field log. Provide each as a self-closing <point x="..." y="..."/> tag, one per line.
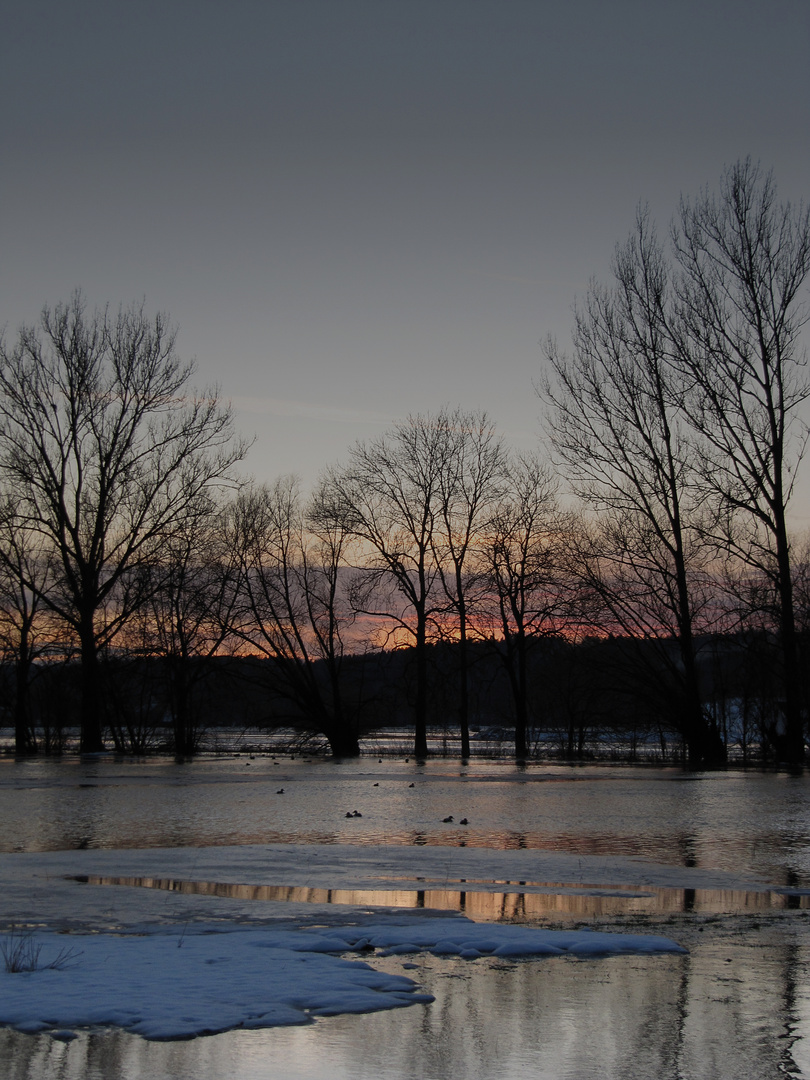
<point x="175" y="985"/>
<point x="167" y="965"/>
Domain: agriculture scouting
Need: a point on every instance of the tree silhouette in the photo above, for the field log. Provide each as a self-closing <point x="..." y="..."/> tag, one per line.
<point x="103" y="446"/>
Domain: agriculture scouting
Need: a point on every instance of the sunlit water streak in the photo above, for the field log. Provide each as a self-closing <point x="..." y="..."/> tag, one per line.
<point x="527" y="902"/>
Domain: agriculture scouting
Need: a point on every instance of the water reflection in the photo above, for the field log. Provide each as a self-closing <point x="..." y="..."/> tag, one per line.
<point x="535" y="902"/>
<point x="737" y="1006"/>
<point x="747" y="824"/>
<point x="731" y="1009"/>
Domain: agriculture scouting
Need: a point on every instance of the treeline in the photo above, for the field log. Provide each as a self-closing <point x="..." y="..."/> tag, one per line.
<point x="128" y="541"/>
<point x="595" y="699"/>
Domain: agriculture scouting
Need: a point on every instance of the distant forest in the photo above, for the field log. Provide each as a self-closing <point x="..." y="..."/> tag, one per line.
<point x="614" y="698"/>
<point x="637" y="585"/>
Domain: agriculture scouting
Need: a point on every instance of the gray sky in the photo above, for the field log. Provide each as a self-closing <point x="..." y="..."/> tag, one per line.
<point x="357" y="209"/>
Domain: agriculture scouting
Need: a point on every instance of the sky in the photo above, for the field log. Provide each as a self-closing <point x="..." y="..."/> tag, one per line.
<point x="355" y="210"/>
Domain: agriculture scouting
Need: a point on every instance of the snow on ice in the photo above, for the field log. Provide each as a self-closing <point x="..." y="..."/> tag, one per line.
<point x="174" y="985"/>
<point x="167" y="965"/>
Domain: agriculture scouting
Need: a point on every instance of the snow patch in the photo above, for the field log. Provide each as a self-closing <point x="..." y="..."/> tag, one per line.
<point x="175" y="985"/>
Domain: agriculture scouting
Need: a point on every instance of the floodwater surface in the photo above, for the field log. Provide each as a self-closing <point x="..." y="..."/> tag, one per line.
<point x="738" y="1005"/>
<point x="747" y="823"/>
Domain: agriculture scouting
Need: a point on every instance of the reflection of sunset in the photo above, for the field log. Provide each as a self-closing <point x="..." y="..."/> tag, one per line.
<point x="524" y="902"/>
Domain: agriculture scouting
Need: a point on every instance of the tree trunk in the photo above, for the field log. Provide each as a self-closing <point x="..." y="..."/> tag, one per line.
<point x="514" y="660"/>
<point x="90" y="741"/>
<point x="521" y="703"/>
<point x="181" y="711"/>
<point x="704" y="746"/>
<point x="343" y="741"/>
<point x="24" y="742"/>
<point x="343" y="734"/>
<point x="464" y="691"/>
<point x="791" y="747"/>
<point x="420" y="747"/>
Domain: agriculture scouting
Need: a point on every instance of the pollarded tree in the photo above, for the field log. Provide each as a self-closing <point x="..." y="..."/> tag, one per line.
<point x="103" y="446"/>
<point x="743" y="260"/>
<point x="614" y="423"/>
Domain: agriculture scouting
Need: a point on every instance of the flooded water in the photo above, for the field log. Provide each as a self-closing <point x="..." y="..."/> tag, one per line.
<point x="742" y="822"/>
<point x="738" y="1005"/>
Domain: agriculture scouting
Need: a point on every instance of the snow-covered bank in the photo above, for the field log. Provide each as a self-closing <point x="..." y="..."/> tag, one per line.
<point x="177" y="985"/>
<point x="164" y="964"/>
<point x="169" y="986"/>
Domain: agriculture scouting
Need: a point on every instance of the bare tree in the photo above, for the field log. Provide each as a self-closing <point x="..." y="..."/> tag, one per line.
<point x="621" y="578"/>
<point x="471" y="475"/>
<point x="614" y="424"/>
<point x="188" y="619"/>
<point x="103" y="446"/>
<point x="522" y="545"/>
<point x="294" y="603"/>
<point x="388" y="497"/>
<point x="26" y="575"/>
<point x="743" y="261"/>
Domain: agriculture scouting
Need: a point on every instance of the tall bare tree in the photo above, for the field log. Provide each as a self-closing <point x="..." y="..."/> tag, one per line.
<point x="294" y="603"/>
<point x="743" y="260"/>
<point x="192" y="590"/>
<point x="103" y="446"/>
<point x="614" y="424"/>
<point x="388" y="497"/>
<point x="522" y="544"/>
<point x="26" y="575"/>
<point x="472" y="468"/>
